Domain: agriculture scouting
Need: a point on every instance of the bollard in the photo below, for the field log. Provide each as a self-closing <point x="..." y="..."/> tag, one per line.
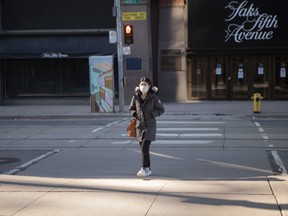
<point x="257" y="102"/>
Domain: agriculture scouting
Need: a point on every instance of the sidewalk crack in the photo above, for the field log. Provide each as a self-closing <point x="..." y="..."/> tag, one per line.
<point x="154" y="200"/>
<point x="35" y="200"/>
<point x="275" y="197"/>
<point x="29" y="204"/>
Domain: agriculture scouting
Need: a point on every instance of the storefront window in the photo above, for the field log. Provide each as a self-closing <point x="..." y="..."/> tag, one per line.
<point x="46" y="77"/>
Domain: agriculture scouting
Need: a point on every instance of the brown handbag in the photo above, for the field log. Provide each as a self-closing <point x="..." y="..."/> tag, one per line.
<point x="131" y="129"/>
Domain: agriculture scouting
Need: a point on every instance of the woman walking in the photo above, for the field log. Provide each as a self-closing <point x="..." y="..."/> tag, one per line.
<point x="145" y="106"/>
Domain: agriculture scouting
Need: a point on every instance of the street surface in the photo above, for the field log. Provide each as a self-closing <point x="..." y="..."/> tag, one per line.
<point x="202" y="165"/>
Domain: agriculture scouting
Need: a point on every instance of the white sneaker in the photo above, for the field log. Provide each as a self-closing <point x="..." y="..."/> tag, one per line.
<point x="144" y="172"/>
<point x="148" y="171"/>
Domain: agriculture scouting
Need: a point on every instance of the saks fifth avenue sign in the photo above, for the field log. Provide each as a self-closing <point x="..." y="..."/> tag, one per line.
<point x="246" y="22"/>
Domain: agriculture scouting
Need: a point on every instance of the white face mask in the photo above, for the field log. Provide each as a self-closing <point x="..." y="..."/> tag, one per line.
<point x="144" y="89"/>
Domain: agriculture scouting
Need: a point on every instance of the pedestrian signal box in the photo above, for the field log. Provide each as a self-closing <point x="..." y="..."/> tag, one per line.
<point x="128" y="34"/>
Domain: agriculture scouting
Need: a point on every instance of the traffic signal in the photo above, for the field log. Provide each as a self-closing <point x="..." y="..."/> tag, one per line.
<point x="128" y="34"/>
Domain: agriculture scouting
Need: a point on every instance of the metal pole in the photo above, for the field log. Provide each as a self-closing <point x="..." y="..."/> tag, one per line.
<point x="120" y="55"/>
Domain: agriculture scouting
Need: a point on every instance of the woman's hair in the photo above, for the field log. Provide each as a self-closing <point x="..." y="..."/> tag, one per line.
<point x="146" y="80"/>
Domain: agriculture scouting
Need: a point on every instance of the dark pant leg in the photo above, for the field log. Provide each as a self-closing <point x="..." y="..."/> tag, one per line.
<point x="145" y="145"/>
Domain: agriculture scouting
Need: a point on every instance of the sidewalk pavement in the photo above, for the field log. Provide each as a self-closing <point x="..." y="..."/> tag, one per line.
<point x="238" y="108"/>
<point x="42" y="196"/>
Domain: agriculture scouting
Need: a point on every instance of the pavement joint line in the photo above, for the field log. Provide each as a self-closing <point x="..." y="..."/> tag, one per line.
<point x="275" y="197"/>
<point x="31" y="162"/>
<point x="33" y="201"/>
<point x="156" y="197"/>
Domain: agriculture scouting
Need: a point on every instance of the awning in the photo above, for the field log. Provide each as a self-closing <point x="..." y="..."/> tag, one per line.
<point x="75" y="46"/>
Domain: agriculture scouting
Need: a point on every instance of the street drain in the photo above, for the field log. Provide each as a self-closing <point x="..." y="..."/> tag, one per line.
<point x="7" y="160"/>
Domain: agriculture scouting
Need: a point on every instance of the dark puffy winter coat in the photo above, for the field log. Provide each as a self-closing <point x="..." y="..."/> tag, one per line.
<point x="145" y="114"/>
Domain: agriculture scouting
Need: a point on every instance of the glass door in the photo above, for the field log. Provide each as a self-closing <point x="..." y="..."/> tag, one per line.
<point x="219" y="77"/>
<point x="260" y="72"/>
<point x="197" y="77"/>
<point x="240" y="77"/>
<point x="200" y="78"/>
<point x="281" y="77"/>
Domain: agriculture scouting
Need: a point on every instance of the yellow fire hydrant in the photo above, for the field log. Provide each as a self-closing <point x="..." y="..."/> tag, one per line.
<point x="257" y="102"/>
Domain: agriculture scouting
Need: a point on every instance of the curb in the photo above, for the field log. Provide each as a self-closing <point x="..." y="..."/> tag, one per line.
<point x="122" y="115"/>
<point x="77" y="116"/>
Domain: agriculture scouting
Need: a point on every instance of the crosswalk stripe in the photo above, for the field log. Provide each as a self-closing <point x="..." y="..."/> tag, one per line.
<point x="182" y="132"/>
<point x="190" y="134"/>
<point x="185" y="135"/>
<point x="160" y="155"/>
<point x="190" y="122"/>
<point x="122" y="142"/>
<point x="168" y="134"/>
<point x="188" y="129"/>
<point x="167" y="142"/>
<point x="201" y="135"/>
<point x="170" y="142"/>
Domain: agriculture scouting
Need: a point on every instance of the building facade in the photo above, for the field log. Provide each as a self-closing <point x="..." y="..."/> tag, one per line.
<point x="237" y="48"/>
<point x="45" y="46"/>
<point x="192" y="50"/>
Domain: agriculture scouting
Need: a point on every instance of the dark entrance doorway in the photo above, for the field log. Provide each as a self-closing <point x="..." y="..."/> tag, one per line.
<point x="233" y="77"/>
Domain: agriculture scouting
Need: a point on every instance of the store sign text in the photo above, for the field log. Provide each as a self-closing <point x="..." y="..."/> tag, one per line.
<point x="54" y="55"/>
<point x="246" y="23"/>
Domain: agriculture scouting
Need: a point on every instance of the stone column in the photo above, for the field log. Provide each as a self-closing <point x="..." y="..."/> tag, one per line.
<point x="172" y="50"/>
